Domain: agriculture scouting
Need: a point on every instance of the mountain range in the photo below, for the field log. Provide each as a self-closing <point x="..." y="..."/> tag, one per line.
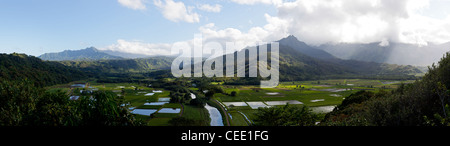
<point x="298" y="61"/>
<point x="90" y="53"/>
<point x="390" y="52"/>
<point x="42" y="73"/>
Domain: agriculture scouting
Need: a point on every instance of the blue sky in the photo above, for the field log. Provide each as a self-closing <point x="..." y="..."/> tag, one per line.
<point x="40" y="26"/>
<point x="150" y="27"/>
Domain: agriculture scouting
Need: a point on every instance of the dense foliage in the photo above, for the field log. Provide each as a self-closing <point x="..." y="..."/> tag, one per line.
<point x="90" y="53"/>
<point x="139" y="65"/>
<point x="425" y="102"/>
<point x="43" y="73"/>
<point x="285" y="116"/>
<point x="23" y="104"/>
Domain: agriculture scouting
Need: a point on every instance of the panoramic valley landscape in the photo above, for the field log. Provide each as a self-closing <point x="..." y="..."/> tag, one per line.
<point x="358" y="64"/>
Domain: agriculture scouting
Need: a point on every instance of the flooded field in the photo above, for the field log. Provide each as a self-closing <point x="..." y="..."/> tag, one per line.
<point x="164" y="99"/>
<point x="170" y="110"/>
<point x="145" y="112"/>
<point x="235" y="104"/>
<point x="156" y="103"/>
<point x="272" y="103"/>
<point x="323" y="109"/>
<point x="256" y="104"/>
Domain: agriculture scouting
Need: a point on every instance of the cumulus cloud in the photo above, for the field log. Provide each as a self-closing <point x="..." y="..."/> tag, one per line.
<point x="272" y="31"/>
<point x="210" y="8"/>
<point x="177" y="11"/>
<point x="133" y="4"/>
<point x="252" y="2"/>
<point x="324" y="21"/>
<point x="138" y="47"/>
<point x="317" y="22"/>
<point x="342" y="20"/>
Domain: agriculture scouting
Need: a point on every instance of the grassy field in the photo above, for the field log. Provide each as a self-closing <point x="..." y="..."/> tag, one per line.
<point x="309" y="93"/>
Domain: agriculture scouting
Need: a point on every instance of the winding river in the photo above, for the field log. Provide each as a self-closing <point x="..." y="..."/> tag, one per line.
<point x="214" y="114"/>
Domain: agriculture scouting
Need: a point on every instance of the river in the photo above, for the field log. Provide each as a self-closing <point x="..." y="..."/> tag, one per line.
<point x="214" y="114"/>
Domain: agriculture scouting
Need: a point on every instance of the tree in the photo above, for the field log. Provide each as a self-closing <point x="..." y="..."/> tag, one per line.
<point x="424" y="102"/>
<point x="103" y="109"/>
<point x="285" y="116"/>
<point x="201" y="102"/>
<point x="233" y="93"/>
<point x="182" y="121"/>
<point x="187" y="96"/>
<point x="23" y="104"/>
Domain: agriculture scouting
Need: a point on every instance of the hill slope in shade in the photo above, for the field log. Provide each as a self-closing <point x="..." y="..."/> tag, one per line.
<point x="138" y="65"/>
<point x="43" y="73"/>
<point x="295" y="64"/>
<point x="294" y="43"/>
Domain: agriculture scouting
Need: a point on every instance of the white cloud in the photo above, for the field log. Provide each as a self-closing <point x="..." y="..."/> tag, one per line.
<point x="322" y="21"/>
<point x="384" y="43"/>
<point x="252" y="2"/>
<point x="133" y="4"/>
<point x="316" y="22"/>
<point x="274" y="30"/>
<point x="210" y="8"/>
<point x="138" y="47"/>
<point x="177" y="11"/>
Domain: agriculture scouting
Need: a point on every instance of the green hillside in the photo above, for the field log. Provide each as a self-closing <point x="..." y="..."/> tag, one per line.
<point x="43" y="73"/>
<point x="139" y="65"/>
<point x="90" y="53"/>
<point x="424" y="102"/>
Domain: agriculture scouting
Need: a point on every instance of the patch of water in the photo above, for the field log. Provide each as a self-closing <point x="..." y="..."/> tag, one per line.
<point x="78" y="85"/>
<point x="256" y="104"/>
<point x="145" y="112"/>
<point x="330" y="90"/>
<point x="271" y="103"/>
<point x="149" y="94"/>
<point x="335" y="95"/>
<point x="164" y="99"/>
<point x="235" y="103"/>
<point x="273" y="93"/>
<point x="214" y="114"/>
<point x="323" y="109"/>
<point x="389" y="82"/>
<point x="317" y="100"/>
<point x="170" y="110"/>
<point x="156" y="103"/>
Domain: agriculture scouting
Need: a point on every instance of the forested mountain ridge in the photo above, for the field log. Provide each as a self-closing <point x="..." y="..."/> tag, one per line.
<point x="90" y="53"/>
<point x="354" y="66"/>
<point x="43" y="73"/>
<point x="138" y="65"/>
<point x="293" y="42"/>
<point x="296" y="64"/>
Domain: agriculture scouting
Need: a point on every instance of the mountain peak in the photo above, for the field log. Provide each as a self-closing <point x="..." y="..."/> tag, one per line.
<point x="92" y="49"/>
<point x="293" y="42"/>
<point x="291" y="37"/>
<point x="90" y="53"/>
